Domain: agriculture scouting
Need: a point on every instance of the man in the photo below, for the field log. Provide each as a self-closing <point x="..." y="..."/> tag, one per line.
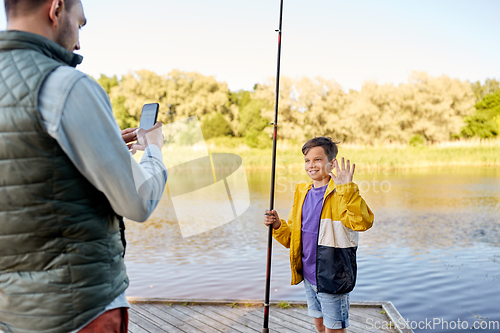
<point x="66" y="176"/>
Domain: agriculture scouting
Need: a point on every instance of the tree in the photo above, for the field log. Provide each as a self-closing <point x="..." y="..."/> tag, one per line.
<point x="435" y="107"/>
<point x="107" y="82"/>
<point x="112" y="87"/>
<point x="485" y="122"/>
<point x="215" y="125"/>
<point x="481" y="90"/>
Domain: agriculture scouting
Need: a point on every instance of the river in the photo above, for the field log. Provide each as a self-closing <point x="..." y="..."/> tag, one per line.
<point x="434" y="249"/>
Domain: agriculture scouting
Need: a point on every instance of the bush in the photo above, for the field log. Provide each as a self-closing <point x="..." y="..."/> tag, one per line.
<point x="215" y="125"/>
<point x="417" y="140"/>
<point x="256" y="139"/>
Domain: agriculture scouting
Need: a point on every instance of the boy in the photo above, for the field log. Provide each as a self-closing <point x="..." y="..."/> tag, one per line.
<point x="322" y="234"/>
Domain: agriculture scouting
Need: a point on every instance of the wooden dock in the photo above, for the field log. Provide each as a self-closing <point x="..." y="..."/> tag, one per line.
<point x="155" y="315"/>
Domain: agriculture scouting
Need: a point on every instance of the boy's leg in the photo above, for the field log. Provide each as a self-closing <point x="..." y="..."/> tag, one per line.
<point x="318" y="322"/>
<point x="313" y="306"/>
<point x="335" y="311"/>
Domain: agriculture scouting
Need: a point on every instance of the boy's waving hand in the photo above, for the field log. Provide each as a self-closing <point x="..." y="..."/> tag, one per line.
<point x="344" y="174"/>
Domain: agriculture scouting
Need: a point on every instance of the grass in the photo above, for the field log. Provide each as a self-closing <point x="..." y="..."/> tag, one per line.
<point x="283" y="305"/>
<point x="233" y="305"/>
<point x="290" y="156"/>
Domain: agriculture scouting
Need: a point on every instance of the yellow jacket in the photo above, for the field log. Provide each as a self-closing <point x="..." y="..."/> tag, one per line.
<point x="344" y="214"/>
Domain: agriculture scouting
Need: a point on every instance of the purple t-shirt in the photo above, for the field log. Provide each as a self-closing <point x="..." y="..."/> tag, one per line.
<point x="311" y="213"/>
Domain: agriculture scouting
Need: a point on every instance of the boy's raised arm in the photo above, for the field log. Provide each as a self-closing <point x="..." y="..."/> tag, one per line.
<point x="354" y="212"/>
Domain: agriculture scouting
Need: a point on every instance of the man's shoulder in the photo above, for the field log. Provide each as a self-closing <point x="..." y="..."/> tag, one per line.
<point x="65" y="80"/>
<point x="65" y="76"/>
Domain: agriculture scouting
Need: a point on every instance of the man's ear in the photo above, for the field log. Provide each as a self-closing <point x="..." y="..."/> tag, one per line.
<point x="55" y="11"/>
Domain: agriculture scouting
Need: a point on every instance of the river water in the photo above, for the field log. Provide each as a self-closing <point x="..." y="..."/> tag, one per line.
<point x="434" y="249"/>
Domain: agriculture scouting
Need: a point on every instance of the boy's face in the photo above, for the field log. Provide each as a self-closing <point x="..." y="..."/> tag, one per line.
<point x="317" y="165"/>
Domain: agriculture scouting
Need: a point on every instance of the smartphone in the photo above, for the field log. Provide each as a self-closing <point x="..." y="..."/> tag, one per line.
<point x="149" y="115"/>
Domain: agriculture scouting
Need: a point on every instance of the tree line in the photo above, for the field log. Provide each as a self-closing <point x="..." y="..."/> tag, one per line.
<point x="423" y="110"/>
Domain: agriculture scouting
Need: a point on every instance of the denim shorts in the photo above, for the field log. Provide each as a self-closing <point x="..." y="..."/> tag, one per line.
<point x="333" y="308"/>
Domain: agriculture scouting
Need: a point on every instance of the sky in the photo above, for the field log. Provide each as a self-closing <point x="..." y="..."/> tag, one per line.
<point x="350" y="42"/>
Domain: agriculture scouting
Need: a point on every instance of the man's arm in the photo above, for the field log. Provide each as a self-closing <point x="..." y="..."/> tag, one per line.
<point x="84" y="126"/>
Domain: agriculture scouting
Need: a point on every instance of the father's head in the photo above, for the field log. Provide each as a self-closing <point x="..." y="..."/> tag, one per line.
<point x="57" y="20"/>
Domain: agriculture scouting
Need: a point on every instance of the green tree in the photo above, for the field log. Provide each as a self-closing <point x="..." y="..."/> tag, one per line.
<point x="485" y="122"/>
<point x="108" y="82"/>
<point x="488" y="87"/>
<point x="123" y="118"/>
<point x="112" y="87"/>
<point x="252" y="124"/>
<point x="215" y="125"/>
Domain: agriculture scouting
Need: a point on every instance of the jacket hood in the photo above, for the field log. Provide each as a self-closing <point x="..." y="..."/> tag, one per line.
<point x="13" y="39"/>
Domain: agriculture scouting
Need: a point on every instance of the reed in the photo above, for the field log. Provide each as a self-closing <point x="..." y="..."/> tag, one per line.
<point x="459" y="153"/>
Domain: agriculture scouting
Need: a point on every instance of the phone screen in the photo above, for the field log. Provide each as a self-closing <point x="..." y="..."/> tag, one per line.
<point x="148" y="115"/>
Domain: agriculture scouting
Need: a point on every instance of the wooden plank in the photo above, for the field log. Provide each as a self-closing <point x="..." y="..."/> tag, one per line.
<point x="239" y="318"/>
<point x="288" y="317"/>
<point x="202" y="317"/>
<point x="134" y="328"/>
<point x="359" y="322"/>
<point x="214" y="313"/>
<point x="373" y="313"/>
<point x="354" y="329"/>
<point x="194" y="320"/>
<point x="144" y="323"/>
<point x="277" y="320"/>
<point x="179" y="325"/>
<point x="208" y="301"/>
<point x="395" y="316"/>
<point x="177" y="319"/>
<point x="258" y="318"/>
<point x="215" y="316"/>
<point x="156" y="320"/>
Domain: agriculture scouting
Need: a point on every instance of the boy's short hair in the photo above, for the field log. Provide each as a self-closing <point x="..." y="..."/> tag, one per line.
<point x="327" y="143"/>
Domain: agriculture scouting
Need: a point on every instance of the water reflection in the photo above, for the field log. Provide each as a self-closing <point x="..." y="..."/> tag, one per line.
<point x="428" y="209"/>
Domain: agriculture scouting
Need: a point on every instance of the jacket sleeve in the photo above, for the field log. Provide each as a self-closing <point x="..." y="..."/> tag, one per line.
<point x="353" y="210"/>
<point x="284" y="232"/>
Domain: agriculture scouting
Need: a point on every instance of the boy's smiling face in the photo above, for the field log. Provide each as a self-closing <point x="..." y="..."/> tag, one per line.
<point x="317" y="166"/>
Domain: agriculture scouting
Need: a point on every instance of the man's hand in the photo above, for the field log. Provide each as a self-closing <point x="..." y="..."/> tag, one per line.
<point x="272" y="218"/>
<point x="129" y="135"/>
<point x="152" y="136"/>
<point x="344" y="174"/>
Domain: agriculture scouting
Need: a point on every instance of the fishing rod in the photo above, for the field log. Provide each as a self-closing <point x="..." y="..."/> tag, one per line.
<point x="273" y="176"/>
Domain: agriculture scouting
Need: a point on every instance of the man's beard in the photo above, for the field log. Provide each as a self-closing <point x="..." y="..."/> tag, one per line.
<point x="64" y="37"/>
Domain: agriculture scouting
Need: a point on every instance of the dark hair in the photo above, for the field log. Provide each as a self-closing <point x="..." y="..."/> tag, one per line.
<point x="327" y="143"/>
<point x="21" y="7"/>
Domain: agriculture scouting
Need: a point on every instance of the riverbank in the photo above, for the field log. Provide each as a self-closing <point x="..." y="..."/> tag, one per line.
<point x="472" y="153"/>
